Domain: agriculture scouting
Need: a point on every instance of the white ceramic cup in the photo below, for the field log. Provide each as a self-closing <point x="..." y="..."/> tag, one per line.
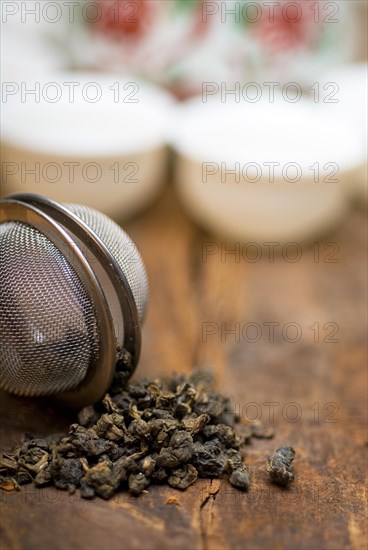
<point x="92" y="138"/>
<point x="264" y="171"/>
<point x="345" y="91"/>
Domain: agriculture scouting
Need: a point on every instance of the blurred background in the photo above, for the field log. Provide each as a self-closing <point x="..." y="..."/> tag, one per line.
<point x="256" y="110"/>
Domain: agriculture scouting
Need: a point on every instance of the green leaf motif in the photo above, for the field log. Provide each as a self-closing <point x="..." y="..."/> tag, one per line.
<point x="185" y="5"/>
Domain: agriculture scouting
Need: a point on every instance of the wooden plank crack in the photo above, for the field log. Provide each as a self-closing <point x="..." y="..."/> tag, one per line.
<point x="207" y="511"/>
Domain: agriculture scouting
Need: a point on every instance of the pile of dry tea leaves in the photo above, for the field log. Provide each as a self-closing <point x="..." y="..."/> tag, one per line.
<point x="163" y="431"/>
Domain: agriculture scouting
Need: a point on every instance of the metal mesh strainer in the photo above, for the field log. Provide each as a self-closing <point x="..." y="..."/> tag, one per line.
<point x="122" y="248"/>
<point x="60" y="306"/>
<point x="48" y="324"/>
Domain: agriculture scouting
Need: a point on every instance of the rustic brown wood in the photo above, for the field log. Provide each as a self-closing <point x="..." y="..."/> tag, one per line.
<point x="323" y="383"/>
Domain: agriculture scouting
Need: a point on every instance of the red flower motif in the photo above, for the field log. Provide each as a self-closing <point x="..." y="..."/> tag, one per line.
<point x="123" y="18"/>
<point x="287" y="26"/>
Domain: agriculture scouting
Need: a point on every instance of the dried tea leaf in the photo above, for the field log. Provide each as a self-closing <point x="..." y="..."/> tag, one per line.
<point x="195" y="425"/>
<point x="169" y="430"/>
<point x="137" y="483"/>
<point x="209" y="459"/>
<point x="240" y="478"/>
<point x="280" y="467"/>
<point x="179" y="451"/>
<point x="181" y="478"/>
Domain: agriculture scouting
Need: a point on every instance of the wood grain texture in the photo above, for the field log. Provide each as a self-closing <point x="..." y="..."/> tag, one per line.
<point x="316" y="391"/>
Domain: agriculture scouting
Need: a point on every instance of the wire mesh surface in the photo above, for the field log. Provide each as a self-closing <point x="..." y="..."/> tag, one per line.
<point x="48" y="325"/>
<point x="123" y="250"/>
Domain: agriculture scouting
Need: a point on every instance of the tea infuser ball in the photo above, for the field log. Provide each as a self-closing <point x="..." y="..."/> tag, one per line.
<point x="73" y="299"/>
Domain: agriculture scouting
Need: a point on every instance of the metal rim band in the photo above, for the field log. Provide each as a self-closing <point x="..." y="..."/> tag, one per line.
<point x="100" y="376"/>
<point x="132" y="329"/>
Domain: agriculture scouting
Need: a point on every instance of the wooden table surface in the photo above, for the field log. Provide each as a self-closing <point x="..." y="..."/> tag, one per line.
<point x="312" y="391"/>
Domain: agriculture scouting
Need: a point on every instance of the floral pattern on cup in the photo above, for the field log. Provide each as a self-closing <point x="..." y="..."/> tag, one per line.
<point x="182" y="43"/>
